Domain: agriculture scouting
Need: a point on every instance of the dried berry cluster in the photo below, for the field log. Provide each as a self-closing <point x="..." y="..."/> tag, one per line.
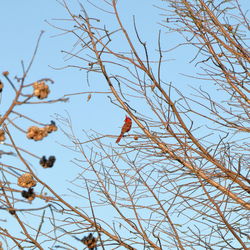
<point x="47" y="163"/>
<point x="90" y="241"/>
<point x="26" y="180"/>
<point x="41" y="90"/>
<point x="2" y="135"/>
<point x="29" y="195"/>
<point x="38" y="134"/>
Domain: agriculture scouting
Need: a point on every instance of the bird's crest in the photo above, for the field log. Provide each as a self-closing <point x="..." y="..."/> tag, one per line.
<point x="127" y="119"/>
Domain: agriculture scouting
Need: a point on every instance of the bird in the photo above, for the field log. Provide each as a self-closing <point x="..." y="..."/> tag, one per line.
<point x="125" y="128"/>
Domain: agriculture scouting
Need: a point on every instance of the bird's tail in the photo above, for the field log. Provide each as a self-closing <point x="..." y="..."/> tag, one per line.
<point x="119" y="138"/>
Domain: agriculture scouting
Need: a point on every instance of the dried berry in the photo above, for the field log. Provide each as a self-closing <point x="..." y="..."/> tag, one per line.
<point x="90" y="241"/>
<point x="26" y="180"/>
<point x="5" y="73"/>
<point x="36" y="133"/>
<point x="47" y="163"/>
<point x="136" y="137"/>
<point x="51" y="161"/>
<point x="41" y="90"/>
<point x="43" y="161"/>
<point x="29" y="195"/>
<point x="51" y="127"/>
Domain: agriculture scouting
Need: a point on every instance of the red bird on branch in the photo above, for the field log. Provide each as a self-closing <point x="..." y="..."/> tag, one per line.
<point x="125" y="128"/>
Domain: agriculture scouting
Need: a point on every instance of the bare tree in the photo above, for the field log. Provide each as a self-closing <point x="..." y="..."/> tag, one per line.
<point x="180" y="178"/>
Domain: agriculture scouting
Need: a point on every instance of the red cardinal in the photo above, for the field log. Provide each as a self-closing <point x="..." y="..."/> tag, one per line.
<point x="125" y="128"/>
